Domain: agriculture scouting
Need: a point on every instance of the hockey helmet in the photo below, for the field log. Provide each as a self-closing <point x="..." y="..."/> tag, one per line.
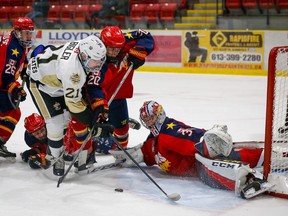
<point x="112" y="36"/>
<point x="152" y="116"/>
<point x="24" y="31"/>
<point x="92" y="53"/>
<point x="33" y="123"/>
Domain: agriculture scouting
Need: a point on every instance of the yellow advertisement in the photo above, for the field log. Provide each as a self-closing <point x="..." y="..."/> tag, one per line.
<point x="223" y="49"/>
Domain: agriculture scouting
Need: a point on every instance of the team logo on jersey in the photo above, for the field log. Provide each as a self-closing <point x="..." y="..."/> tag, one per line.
<point x="15" y="52"/>
<point x="170" y="126"/>
<point x="162" y="162"/>
<point x="75" y="78"/>
<point x="57" y="106"/>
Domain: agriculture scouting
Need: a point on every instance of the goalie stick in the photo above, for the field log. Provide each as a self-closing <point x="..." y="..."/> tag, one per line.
<point x="173" y="197"/>
<point x="61" y="179"/>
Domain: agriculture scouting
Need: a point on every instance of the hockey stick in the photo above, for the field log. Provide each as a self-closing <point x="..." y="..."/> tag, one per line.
<point x="103" y="167"/>
<point x="173" y="197"/>
<point x="61" y="179"/>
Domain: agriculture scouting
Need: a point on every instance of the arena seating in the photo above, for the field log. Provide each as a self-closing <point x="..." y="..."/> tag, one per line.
<point x="63" y="11"/>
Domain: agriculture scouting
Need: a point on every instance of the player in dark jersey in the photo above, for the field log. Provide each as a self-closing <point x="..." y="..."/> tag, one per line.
<point x="14" y="47"/>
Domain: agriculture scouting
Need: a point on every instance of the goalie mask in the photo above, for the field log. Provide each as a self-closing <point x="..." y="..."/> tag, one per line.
<point x="92" y="53"/>
<point x="24" y="31"/>
<point x="152" y="116"/>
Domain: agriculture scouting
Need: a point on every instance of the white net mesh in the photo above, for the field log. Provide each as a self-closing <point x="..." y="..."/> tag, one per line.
<point x="279" y="151"/>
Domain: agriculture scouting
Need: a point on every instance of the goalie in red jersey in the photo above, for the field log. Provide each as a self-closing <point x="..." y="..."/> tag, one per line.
<point x="14" y="47"/>
<point x="179" y="149"/>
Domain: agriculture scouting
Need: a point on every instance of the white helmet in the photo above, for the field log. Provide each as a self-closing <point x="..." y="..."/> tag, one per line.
<point x="152" y="116"/>
<point x="92" y="53"/>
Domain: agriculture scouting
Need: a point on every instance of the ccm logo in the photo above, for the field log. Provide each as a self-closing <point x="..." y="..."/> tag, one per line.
<point x="225" y="165"/>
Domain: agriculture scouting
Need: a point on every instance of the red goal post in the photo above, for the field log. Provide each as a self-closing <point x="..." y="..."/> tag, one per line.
<point x="276" y="138"/>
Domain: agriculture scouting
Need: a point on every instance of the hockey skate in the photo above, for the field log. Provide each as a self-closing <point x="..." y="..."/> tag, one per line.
<point x="254" y="187"/>
<point x="10" y="156"/>
<point x="59" y="167"/>
<point x="86" y="162"/>
<point x="68" y="158"/>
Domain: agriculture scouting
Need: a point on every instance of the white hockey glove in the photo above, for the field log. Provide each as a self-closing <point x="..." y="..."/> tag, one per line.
<point x="135" y="152"/>
<point x="218" y="141"/>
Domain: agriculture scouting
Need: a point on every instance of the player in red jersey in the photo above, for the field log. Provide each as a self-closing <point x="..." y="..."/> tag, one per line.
<point x="179" y="149"/>
<point x="122" y="50"/>
<point x="14" y="47"/>
<point x="36" y="138"/>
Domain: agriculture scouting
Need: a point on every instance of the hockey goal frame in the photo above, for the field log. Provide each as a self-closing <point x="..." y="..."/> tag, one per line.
<point x="281" y="186"/>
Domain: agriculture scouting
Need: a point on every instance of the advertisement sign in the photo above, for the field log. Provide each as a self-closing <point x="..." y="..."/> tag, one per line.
<point x="223" y="49"/>
<point x="167" y="49"/>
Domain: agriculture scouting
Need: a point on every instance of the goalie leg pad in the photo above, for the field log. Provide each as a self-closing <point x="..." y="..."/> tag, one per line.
<point x="217" y="173"/>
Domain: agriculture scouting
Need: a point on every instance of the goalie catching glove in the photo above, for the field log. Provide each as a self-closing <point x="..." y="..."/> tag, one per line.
<point x="217" y="142"/>
<point x="135" y="153"/>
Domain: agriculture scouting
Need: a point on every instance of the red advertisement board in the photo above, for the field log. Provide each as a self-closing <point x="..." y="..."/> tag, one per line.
<point x="167" y="49"/>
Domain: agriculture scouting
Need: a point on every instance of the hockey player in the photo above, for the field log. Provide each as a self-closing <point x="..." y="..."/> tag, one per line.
<point x="57" y="76"/>
<point x="180" y="149"/>
<point x="122" y="49"/>
<point x="14" y="47"/>
<point x="36" y="138"/>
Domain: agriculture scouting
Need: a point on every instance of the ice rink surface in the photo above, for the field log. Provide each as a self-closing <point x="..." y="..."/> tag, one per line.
<point x="198" y="100"/>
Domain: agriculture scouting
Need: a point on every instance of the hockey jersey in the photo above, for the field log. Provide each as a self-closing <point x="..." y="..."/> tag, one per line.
<point x="112" y="73"/>
<point x="173" y="149"/>
<point x="60" y="73"/>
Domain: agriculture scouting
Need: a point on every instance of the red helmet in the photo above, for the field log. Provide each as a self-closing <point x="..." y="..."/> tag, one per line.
<point x="112" y="36"/>
<point x="33" y="123"/>
<point x="23" y="23"/>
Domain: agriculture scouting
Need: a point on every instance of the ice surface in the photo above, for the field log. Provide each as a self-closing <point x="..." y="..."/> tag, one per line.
<point x="198" y="100"/>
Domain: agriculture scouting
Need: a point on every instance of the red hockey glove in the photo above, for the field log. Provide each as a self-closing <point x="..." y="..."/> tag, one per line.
<point x="137" y="56"/>
<point x="16" y="91"/>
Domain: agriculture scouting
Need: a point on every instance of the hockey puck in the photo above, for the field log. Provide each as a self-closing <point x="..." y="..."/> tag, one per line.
<point x="118" y="189"/>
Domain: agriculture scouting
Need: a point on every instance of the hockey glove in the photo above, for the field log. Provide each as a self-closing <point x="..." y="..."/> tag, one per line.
<point x="135" y="153"/>
<point x="103" y="130"/>
<point x="100" y="107"/>
<point x="218" y="141"/>
<point x="28" y="153"/>
<point x="16" y="91"/>
<point x="137" y="56"/>
<point x="37" y="160"/>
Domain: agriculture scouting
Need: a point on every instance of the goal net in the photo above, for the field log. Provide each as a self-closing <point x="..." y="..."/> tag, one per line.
<point x="276" y="131"/>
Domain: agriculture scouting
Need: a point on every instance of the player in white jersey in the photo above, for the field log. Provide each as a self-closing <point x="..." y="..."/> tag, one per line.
<point x="57" y="76"/>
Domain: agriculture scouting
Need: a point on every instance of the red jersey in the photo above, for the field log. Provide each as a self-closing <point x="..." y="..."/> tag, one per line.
<point x="112" y="73"/>
<point x="173" y="149"/>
